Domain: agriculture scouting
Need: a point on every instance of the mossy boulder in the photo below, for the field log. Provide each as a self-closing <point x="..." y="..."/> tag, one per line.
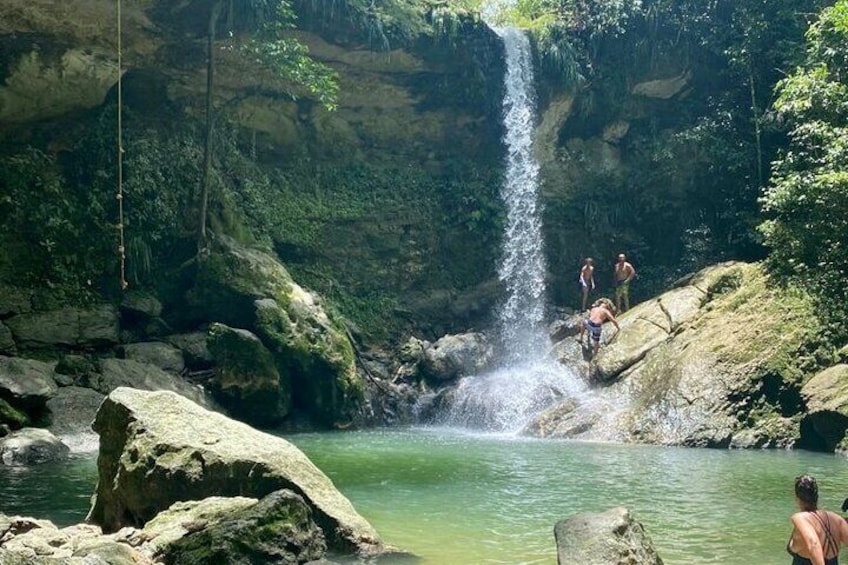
<point x="232" y="278"/>
<point x="158" y="448"/>
<point x="717" y="362"/>
<point x="315" y="354"/>
<point x="247" y="381"/>
<point x="279" y="529"/>
<point x="7" y="342"/>
<point x="248" y="288"/>
<point x="826" y="395"/>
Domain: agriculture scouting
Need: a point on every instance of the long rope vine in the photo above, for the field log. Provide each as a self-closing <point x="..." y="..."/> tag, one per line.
<point x="122" y="252"/>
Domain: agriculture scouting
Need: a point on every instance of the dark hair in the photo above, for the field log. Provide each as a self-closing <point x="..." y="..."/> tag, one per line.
<point x="807" y="491"/>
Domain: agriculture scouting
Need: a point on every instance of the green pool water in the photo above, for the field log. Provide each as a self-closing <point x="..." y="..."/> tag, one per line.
<point x="460" y="498"/>
<point x="453" y="497"/>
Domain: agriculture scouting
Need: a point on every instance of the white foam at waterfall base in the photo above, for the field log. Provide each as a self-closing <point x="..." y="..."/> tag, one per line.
<point x="506" y="399"/>
<point x="81" y="442"/>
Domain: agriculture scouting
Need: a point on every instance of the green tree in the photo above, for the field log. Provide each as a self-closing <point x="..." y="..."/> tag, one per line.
<point x="807" y="199"/>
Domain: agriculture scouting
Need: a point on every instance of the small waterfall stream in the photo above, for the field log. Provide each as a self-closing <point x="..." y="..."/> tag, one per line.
<point x="527" y="379"/>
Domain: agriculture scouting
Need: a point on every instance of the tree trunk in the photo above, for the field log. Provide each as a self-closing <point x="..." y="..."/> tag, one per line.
<point x="757" y="131"/>
<point x="214" y="12"/>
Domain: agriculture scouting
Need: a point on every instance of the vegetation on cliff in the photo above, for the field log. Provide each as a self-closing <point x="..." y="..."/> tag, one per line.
<point x="807" y="199"/>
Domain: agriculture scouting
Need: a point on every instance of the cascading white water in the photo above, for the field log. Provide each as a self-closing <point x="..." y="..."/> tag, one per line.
<point x="522" y="268"/>
<point x="528" y="380"/>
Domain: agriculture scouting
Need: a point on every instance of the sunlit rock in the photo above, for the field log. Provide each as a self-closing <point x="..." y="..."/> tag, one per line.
<point x="157" y="448"/>
<point x="642" y="328"/>
<point x="826" y="421"/>
<point x="613" y="537"/>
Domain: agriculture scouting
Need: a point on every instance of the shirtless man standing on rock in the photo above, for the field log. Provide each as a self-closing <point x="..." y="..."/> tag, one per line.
<point x="602" y="311"/>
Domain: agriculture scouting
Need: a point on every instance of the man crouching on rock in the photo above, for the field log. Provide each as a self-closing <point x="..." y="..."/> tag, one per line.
<point x="602" y="311"/>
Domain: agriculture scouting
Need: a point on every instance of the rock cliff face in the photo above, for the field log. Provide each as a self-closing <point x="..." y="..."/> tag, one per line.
<point x="373" y="201"/>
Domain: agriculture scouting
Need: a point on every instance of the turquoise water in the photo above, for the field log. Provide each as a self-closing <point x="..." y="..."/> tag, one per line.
<point x="453" y="497"/>
<point x="456" y="498"/>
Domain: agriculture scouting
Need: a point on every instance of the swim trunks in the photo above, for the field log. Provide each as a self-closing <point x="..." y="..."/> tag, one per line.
<point x="594" y="330"/>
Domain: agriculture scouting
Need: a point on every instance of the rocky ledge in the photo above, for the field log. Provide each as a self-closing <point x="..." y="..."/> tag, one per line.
<point x="725" y="359"/>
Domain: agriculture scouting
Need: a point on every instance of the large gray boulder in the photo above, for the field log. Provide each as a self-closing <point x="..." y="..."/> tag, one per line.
<point x="31" y="446"/>
<point x="26" y="383"/>
<point x="455" y="356"/>
<point x="642" y="329"/>
<point x="157" y="448"/>
<point x="607" y="538"/>
<point x="115" y="373"/>
<point x="69" y="327"/>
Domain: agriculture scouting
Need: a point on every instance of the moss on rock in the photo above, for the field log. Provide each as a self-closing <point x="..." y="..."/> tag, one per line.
<point x="246" y="378"/>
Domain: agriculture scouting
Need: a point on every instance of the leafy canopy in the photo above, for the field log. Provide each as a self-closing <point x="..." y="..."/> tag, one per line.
<point x="807" y="200"/>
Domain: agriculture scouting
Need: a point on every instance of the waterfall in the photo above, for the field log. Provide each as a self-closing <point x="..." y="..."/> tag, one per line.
<point x="522" y="268"/>
<point x="528" y="380"/>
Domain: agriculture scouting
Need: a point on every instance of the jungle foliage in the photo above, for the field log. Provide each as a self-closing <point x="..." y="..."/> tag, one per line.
<point x="696" y="163"/>
<point x="806" y="202"/>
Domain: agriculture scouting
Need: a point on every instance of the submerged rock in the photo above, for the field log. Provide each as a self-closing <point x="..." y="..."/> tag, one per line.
<point x="157" y="448"/>
<point x="31" y="446"/>
<point x="606" y="538"/>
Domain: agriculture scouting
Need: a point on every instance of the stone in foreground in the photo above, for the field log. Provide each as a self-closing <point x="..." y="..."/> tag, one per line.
<point x="157" y="448"/>
<point x="607" y="538"/>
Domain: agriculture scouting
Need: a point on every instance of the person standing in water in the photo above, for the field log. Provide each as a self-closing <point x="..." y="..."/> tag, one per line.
<point x="587" y="280"/>
<point x="816" y="534"/>
<point x="624" y="273"/>
<point x="602" y="311"/>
